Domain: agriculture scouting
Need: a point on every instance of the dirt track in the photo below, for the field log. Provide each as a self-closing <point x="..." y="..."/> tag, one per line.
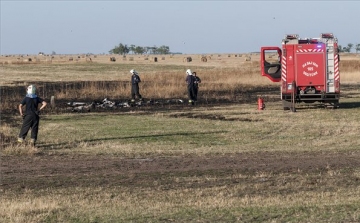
<point x="42" y="171"/>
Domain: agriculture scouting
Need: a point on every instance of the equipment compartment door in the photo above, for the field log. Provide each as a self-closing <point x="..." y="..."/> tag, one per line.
<point x="310" y="68"/>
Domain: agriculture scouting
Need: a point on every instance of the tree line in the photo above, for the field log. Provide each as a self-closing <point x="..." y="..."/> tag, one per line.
<point x="349" y="47"/>
<point x="124" y="49"/>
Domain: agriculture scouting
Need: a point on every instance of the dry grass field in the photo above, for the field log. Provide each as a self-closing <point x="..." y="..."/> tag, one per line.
<point x="221" y="160"/>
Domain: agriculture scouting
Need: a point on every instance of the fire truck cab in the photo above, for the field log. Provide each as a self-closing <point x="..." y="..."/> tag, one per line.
<point x="308" y="69"/>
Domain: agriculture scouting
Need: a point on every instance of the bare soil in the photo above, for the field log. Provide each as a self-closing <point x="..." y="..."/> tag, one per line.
<point x="43" y="171"/>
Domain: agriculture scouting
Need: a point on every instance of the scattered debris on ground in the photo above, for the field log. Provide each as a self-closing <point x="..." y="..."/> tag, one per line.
<point x="108" y="104"/>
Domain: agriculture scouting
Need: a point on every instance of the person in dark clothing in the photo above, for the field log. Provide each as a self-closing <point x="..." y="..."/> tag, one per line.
<point x="135" y="80"/>
<point x="190" y="86"/>
<point x="197" y="81"/>
<point x="31" y="117"/>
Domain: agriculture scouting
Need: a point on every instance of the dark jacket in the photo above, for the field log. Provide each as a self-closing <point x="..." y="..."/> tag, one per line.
<point x="197" y="81"/>
<point x="31" y="105"/>
<point x="135" y="79"/>
<point x="190" y="80"/>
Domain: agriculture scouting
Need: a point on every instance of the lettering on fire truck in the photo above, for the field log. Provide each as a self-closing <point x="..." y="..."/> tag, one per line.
<point x="310" y="68"/>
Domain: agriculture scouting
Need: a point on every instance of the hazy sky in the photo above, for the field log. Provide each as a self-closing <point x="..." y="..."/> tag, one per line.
<point x="71" y="27"/>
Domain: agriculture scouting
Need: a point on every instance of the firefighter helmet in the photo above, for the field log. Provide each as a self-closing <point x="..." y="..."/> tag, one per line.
<point x="31" y="89"/>
<point x="133" y="71"/>
<point x="188" y="72"/>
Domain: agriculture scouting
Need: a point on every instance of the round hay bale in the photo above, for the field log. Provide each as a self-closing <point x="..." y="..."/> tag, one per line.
<point x="146" y="58"/>
<point x="248" y="58"/>
<point x="131" y="58"/>
<point x="203" y="59"/>
<point x="187" y="59"/>
<point x="71" y="59"/>
<point x="112" y="59"/>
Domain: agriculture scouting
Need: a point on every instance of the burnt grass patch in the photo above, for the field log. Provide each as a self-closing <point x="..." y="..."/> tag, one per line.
<point x="12" y="95"/>
<point x="212" y="117"/>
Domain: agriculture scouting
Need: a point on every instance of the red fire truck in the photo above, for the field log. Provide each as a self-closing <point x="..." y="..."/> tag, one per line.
<point x="308" y="69"/>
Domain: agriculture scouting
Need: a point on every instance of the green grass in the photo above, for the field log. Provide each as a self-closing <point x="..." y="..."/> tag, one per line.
<point x="241" y="129"/>
<point x="220" y="204"/>
<point x="330" y="195"/>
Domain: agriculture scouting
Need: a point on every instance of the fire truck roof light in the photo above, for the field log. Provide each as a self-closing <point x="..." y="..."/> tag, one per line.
<point x="318" y="46"/>
<point x="291" y="36"/>
<point x="327" y="35"/>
